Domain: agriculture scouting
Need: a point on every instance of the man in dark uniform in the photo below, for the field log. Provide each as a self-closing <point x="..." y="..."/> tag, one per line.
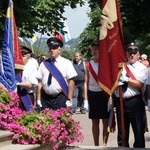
<point x="133" y="77"/>
<point x="56" y="77"/>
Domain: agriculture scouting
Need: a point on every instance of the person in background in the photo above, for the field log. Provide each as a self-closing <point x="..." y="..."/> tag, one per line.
<point x="42" y="58"/>
<point x="147" y="91"/>
<point x="33" y="61"/>
<point x="144" y="60"/>
<point x="32" y="55"/>
<point x="80" y="85"/>
<point x="133" y="79"/>
<point x="96" y="97"/>
<point x="28" y="76"/>
<point x="56" y="77"/>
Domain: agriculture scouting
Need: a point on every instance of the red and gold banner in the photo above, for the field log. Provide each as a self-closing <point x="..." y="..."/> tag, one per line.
<point x="111" y="53"/>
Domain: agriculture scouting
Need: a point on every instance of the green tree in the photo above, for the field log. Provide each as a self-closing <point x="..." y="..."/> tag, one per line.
<point x="91" y="32"/>
<point x="67" y="54"/>
<point x="135" y="22"/>
<point x="41" y="16"/>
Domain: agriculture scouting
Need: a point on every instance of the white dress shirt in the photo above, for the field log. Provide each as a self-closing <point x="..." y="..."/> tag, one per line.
<point x="93" y="85"/>
<point x="148" y="77"/>
<point x="29" y="75"/>
<point x="64" y="66"/>
<point x="140" y="72"/>
<point x="33" y="62"/>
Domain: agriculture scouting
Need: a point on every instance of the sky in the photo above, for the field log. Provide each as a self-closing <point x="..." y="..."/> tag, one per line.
<point x="77" y="19"/>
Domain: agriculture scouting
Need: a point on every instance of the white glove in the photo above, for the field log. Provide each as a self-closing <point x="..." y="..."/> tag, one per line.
<point x="124" y="78"/>
<point x="110" y="104"/>
<point x="39" y="103"/>
<point x="148" y="104"/>
<point x="120" y="83"/>
<point x="69" y="103"/>
<point x="86" y="105"/>
<point x="18" y="83"/>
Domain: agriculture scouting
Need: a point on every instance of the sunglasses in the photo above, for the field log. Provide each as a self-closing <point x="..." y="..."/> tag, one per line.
<point x="132" y="53"/>
<point x="133" y="50"/>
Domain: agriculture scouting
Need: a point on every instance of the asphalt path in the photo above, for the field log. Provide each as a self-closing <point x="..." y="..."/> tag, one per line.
<point x="86" y="125"/>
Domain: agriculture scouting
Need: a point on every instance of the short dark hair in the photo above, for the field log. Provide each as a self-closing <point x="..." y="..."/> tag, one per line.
<point x="95" y="43"/>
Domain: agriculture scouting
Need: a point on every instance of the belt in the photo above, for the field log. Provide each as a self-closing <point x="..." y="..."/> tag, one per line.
<point x="77" y="82"/>
<point x="130" y="98"/>
<point x="31" y="93"/>
<point x="55" y="95"/>
<point x="51" y="95"/>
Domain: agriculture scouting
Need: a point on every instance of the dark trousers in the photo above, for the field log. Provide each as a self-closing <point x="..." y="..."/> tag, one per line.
<point x="134" y="116"/>
<point x="78" y="99"/>
<point x="21" y="105"/>
<point x="53" y="102"/>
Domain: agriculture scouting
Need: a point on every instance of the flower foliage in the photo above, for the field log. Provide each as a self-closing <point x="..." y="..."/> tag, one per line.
<point x="52" y="127"/>
<point x="9" y="110"/>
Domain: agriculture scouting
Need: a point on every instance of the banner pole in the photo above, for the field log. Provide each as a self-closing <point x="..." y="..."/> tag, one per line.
<point x="122" y="116"/>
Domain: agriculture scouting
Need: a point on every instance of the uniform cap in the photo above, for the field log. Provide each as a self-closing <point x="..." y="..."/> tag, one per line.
<point x="55" y="40"/>
<point x="25" y="50"/>
<point x="132" y="48"/>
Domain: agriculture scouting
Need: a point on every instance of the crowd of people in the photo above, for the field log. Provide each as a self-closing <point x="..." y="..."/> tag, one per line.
<point x="57" y="82"/>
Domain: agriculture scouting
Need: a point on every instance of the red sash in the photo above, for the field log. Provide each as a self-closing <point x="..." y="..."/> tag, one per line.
<point x="95" y="76"/>
<point x="129" y="72"/>
<point x="112" y="122"/>
<point x="89" y="66"/>
<point x="132" y="76"/>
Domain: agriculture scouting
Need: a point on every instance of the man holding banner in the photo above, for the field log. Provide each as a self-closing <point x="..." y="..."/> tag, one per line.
<point x="129" y="106"/>
<point x="133" y="79"/>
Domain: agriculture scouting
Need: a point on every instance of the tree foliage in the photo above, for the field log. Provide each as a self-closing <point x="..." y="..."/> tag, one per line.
<point x="90" y="33"/>
<point x="67" y="54"/>
<point x="44" y="16"/>
<point x="41" y="16"/>
<point x="135" y="22"/>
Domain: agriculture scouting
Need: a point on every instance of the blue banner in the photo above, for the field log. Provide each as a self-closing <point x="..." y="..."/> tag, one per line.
<point x="7" y="65"/>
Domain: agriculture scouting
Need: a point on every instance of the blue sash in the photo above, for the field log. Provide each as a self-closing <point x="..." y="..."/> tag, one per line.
<point x="22" y="92"/>
<point x="57" y="75"/>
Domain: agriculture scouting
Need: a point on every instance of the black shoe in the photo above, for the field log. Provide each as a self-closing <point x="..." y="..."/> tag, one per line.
<point x="82" y="111"/>
<point x="73" y="112"/>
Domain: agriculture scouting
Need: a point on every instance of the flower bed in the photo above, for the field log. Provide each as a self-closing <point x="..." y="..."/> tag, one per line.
<point x="52" y="127"/>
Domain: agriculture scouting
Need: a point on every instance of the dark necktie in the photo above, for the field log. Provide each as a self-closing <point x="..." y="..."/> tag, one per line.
<point x="50" y="75"/>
